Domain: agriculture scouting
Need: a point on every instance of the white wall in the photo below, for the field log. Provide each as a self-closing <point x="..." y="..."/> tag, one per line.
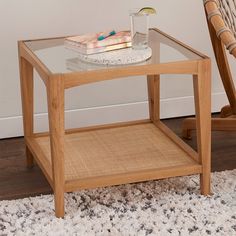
<point x="110" y="101"/>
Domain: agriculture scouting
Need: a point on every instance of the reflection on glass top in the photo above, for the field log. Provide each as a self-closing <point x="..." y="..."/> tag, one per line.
<point x="58" y="59"/>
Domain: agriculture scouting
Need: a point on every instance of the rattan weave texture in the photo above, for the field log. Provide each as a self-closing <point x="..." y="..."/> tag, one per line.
<point x="226" y="10"/>
<point x="118" y="150"/>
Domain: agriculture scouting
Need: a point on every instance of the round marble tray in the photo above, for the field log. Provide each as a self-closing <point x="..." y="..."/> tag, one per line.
<point x="118" y="57"/>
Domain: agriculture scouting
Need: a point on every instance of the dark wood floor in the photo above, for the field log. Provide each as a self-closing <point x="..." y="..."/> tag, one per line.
<point x="16" y="181"/>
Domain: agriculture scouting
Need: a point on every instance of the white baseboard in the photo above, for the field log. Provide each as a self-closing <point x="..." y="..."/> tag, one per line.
<point x="172" y="107"/>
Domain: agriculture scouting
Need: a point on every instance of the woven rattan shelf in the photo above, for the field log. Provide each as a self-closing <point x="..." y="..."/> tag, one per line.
<point x="117" y="153"/>
<point x="100" y="157"/>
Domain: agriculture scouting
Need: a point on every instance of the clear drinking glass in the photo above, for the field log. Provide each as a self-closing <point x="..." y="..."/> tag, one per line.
<point x="139" y="30"/>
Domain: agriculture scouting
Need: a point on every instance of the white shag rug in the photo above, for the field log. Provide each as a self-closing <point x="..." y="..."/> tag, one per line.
<point x="164" y="207"/>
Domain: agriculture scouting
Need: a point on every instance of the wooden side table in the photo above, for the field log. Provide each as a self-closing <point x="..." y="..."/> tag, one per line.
<point x="116" y="153"/>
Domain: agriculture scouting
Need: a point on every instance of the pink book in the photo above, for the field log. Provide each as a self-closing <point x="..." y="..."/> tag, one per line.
<point x="91" y="40"/>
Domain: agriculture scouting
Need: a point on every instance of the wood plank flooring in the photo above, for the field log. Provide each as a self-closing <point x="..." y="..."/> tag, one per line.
<point x="16" y="181"/>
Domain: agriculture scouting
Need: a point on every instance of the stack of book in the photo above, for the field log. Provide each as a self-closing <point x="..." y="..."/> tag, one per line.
<point x="99" y="42"/>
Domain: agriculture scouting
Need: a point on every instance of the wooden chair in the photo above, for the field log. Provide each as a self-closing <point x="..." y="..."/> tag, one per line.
<point x="221" y="19"/>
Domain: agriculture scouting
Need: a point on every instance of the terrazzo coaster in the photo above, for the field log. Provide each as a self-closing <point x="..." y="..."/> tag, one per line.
<point x="118" y="57"/>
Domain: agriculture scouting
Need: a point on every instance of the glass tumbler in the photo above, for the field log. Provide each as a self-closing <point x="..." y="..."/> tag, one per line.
<point x="139" y="30"/>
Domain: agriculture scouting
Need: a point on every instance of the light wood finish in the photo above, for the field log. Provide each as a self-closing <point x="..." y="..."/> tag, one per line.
<point x="191" y="152"/>
<point x="153" y="84"/>
<point x="55" y="94"/>
<point x="29" y="56"/>
<point x="76" y="79"/>
<point x="224" y="69"/>
<point x="26" y="78"/>
<point x="105" y="126"/>
<point x="16" y="181"/>
<point x="41" y="159"/>
<point x="132" y="177"/>
<point x="225" y="122"/>
<point x="117" y="153"/>
<point x="202" y="98"/>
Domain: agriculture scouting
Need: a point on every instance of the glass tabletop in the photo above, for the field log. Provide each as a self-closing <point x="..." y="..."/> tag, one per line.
<point x="59" y="59"/>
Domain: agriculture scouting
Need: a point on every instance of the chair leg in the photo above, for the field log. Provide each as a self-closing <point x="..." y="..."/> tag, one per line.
<point x="219" y="124"/>
<point x="226" y="111"/>
<point x="189" y="124"/>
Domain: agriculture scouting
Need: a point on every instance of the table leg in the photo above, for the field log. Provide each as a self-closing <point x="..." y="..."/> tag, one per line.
<point x="55" y="94"/>
<point x="202" y="98"/>
<point x="153" y="83"/>
<point x="26" y="78"/>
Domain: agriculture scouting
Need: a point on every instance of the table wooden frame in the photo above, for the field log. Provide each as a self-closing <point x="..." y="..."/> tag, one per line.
<point x="56" y="85"/>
